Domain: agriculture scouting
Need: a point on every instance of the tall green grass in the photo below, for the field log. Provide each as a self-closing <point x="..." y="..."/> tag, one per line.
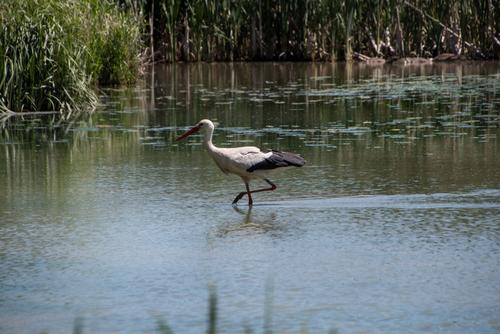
<point x="114" y="42"/>
<point x="52" y="52"/>
<point x="213" y="30"/>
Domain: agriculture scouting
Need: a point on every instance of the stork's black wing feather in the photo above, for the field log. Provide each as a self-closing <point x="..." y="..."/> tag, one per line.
<point x="278" y="159"/>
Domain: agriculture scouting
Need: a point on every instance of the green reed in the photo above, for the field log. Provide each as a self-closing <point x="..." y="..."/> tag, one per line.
<point x="53" y="52"/>
<point x="212" y="30"/>
<point x="162" y="327"/>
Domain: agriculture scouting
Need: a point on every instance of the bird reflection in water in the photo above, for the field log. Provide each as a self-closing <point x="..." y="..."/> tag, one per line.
<point x="251" y="224"/>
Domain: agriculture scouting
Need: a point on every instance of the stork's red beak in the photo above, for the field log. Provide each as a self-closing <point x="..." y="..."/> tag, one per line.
<point x="188" y="133"/>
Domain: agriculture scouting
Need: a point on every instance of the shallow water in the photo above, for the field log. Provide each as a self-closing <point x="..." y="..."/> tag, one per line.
<point x="393" y="226"/>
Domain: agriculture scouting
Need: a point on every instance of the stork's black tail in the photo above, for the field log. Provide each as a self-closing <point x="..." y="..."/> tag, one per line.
<point x="279" y="159"/>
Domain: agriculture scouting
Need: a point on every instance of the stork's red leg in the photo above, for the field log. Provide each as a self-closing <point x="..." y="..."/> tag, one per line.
<point x="249" y="193"/>
<point x="238" y="197"/>
<point x="273" y="187"/>
<point x="243" y="193"/>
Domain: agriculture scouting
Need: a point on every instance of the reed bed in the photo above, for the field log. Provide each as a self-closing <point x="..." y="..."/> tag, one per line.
<point x="53" y="52"/>
<point x="213" y="30"/>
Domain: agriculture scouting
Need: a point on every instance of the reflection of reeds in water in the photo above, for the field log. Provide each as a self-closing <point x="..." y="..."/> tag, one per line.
<point x="347" y="110"/>
<point x="293" y="101"/>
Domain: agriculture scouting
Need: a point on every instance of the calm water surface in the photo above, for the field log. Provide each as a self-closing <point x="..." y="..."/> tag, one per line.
<point x="393" y="226"/>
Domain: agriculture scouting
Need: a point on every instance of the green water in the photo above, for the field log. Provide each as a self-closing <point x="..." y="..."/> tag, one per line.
<point x="393" y="225"/>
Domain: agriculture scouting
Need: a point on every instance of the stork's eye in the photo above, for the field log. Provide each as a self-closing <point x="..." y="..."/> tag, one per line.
<point x="200" y="125"/>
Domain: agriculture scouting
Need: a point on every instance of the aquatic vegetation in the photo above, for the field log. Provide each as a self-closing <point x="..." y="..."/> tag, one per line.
<point x="163" y="327"/>
<point x="211" y="30"/>
<point x="52" y="53"/>
<point x="115" y="44"/>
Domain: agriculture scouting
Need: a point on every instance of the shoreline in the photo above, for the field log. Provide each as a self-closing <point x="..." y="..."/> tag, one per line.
<point x="371" y="61"/>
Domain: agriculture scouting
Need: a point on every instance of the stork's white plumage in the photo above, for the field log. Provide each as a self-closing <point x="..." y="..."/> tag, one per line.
<point x="248" y="162"/>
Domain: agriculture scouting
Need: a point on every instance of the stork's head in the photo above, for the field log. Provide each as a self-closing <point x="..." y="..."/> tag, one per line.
<point x="205" y="125"/>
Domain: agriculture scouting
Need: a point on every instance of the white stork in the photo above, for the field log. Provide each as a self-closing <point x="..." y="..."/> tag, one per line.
<point x="248" y="162"/>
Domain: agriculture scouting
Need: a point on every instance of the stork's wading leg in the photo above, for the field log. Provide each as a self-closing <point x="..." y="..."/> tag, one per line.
<point x="241" y="194"/>
<point x="249" y="193"/>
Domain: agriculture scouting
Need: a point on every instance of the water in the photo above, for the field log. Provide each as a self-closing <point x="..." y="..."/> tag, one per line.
<point x="393" y="226"/>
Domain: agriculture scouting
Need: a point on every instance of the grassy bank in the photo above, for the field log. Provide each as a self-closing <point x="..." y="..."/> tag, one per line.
<point x="53" y="52"/>
<point x="321" y="29"/>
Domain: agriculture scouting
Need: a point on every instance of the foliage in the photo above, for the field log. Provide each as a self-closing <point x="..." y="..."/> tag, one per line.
<point x="114" y="43"/>
<point x="53" y="51"/>
<point x="316" y="29"/>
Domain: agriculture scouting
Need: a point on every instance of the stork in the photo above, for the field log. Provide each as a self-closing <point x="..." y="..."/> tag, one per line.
<point x="248" y="162"/>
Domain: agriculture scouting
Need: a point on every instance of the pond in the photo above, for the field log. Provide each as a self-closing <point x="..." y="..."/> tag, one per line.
<point x="393" y="226"/>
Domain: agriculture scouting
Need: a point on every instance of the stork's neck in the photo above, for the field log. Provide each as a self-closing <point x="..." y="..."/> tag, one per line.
<point x="207" y="140"/>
